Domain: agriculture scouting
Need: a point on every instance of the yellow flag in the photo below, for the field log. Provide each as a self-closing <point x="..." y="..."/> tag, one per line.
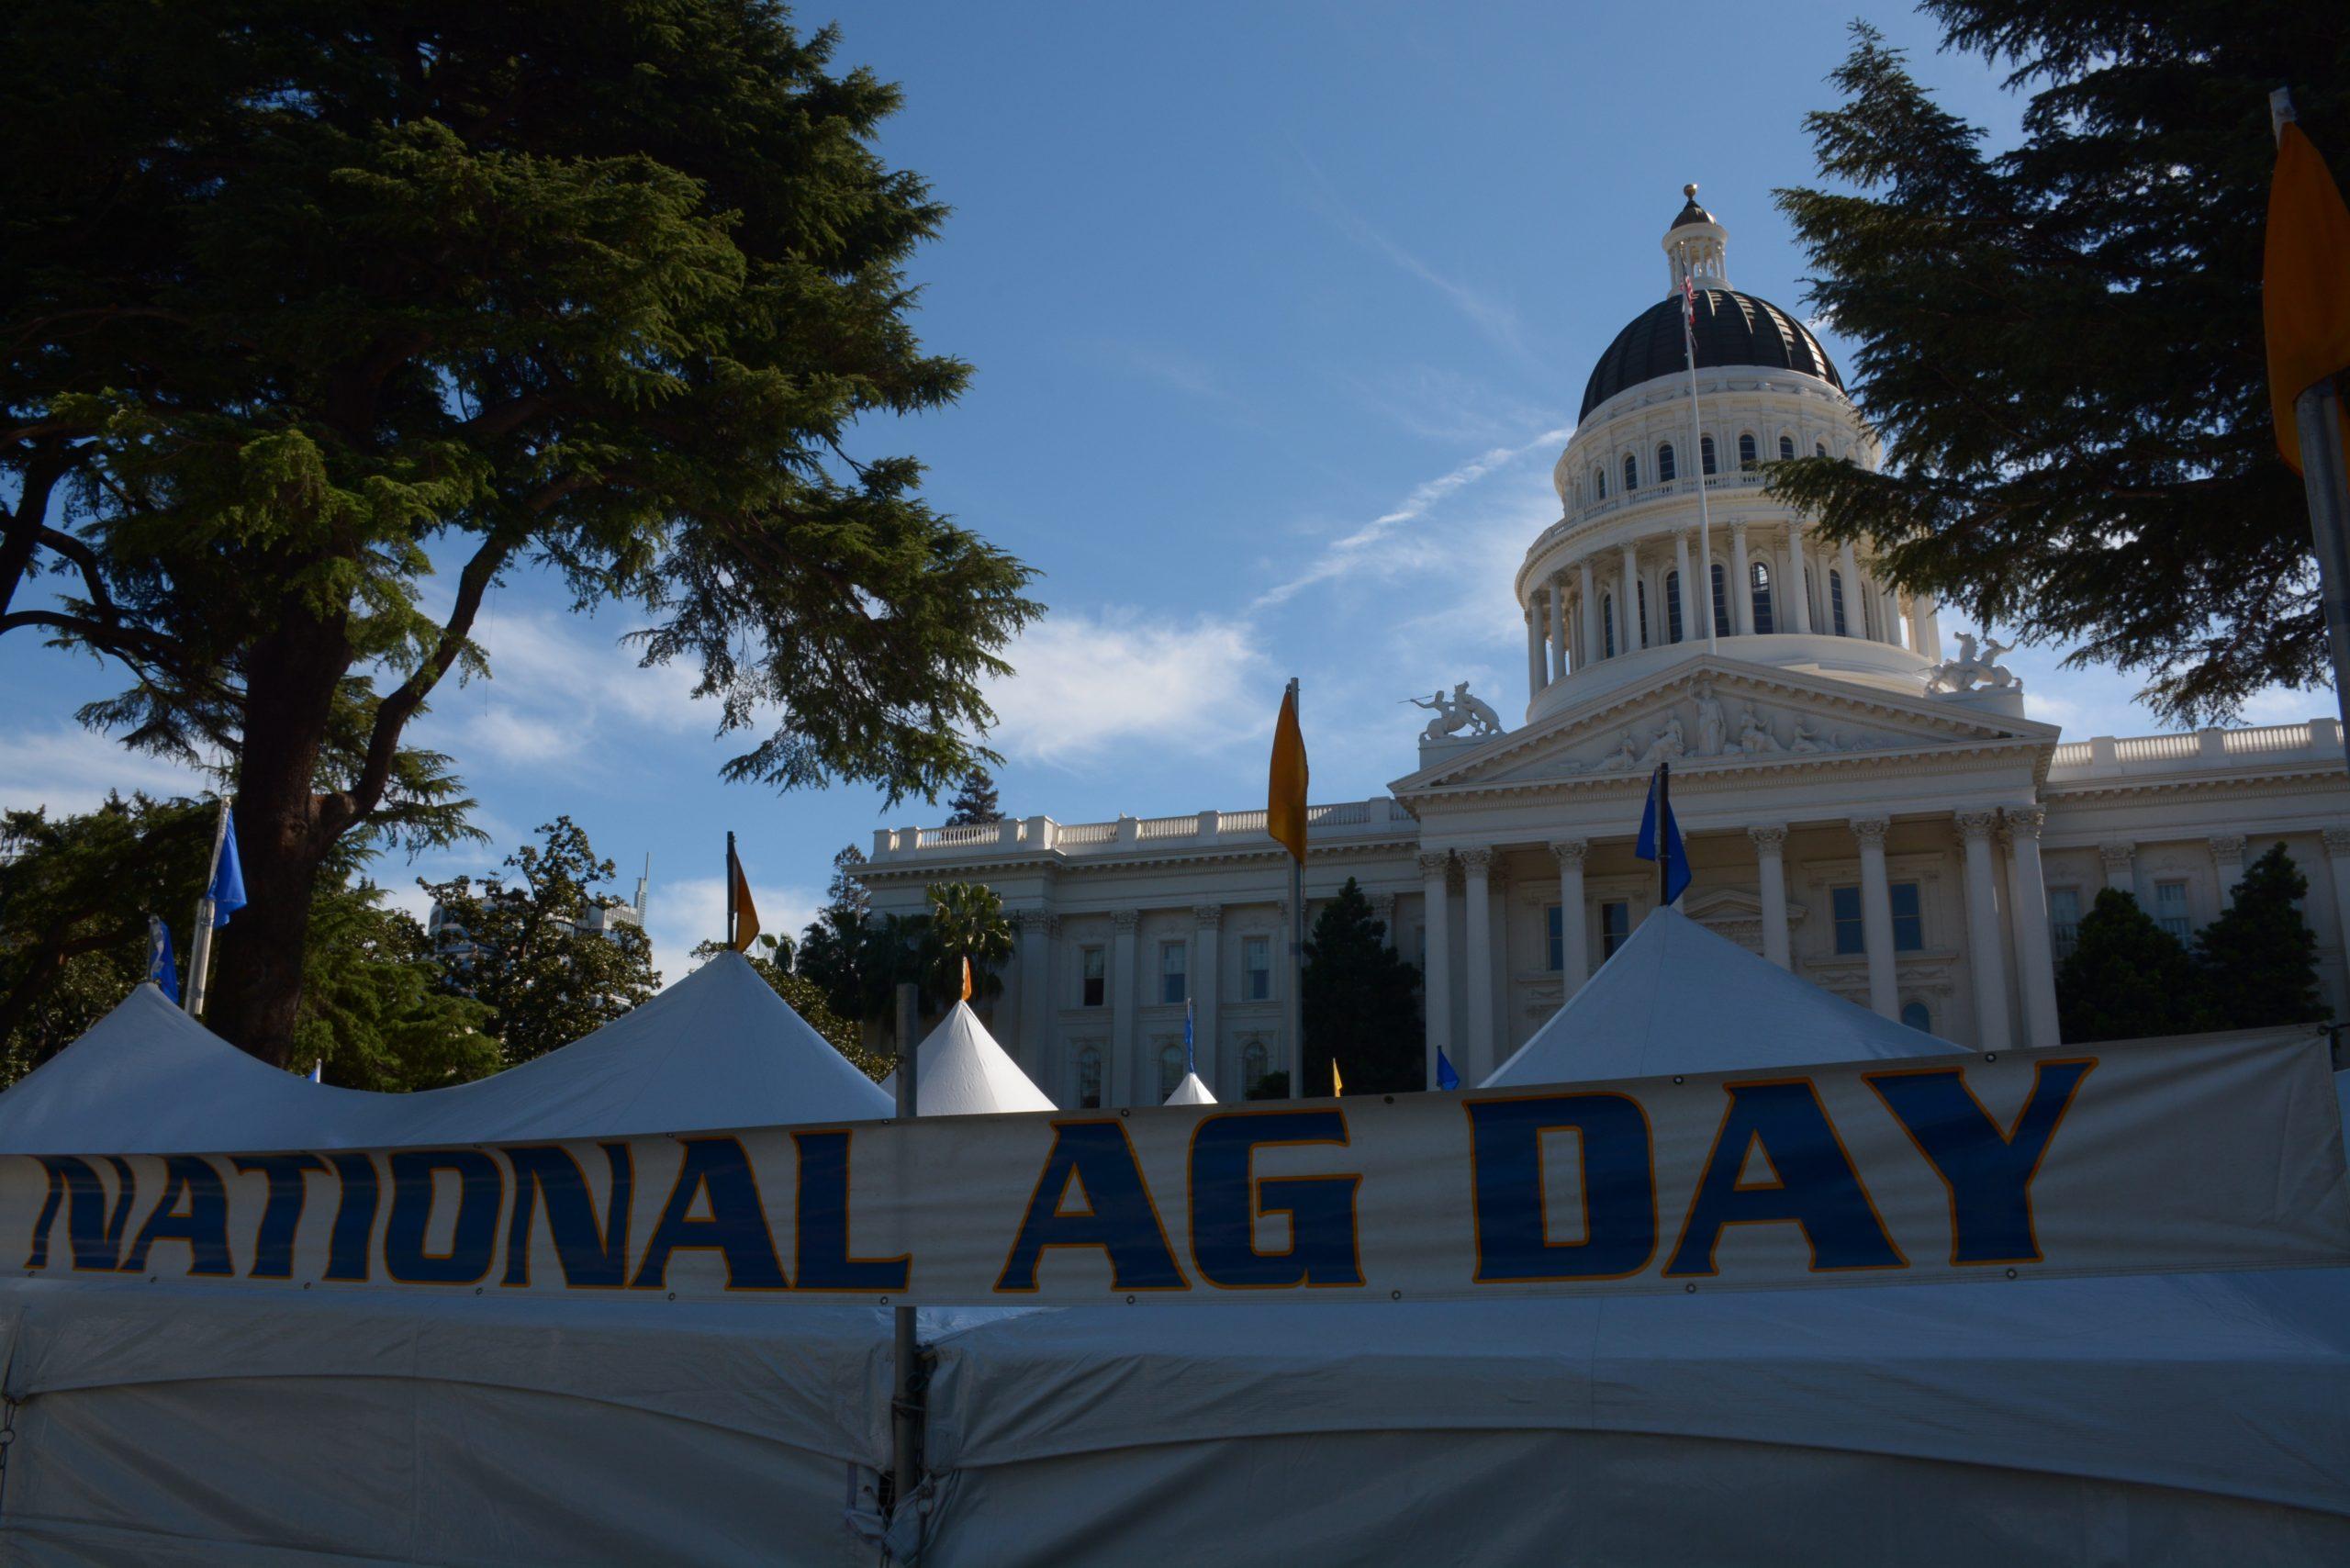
<point x="2305" y="284"/>
<point x="967" y="976"/>
<point x="1285" y="786"/>
<point x="738" y="901"/>
<point x="1338" y="1084"/>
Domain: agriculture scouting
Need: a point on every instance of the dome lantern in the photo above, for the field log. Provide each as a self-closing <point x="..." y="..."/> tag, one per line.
<point x="1695" y="247"/>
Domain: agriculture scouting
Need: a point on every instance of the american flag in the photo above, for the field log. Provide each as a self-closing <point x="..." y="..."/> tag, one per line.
<point x="1688" y="302"/>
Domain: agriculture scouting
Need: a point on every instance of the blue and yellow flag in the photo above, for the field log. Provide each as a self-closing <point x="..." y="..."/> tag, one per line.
<point x="1660" y="837"/>
<point x="228" y="889"/>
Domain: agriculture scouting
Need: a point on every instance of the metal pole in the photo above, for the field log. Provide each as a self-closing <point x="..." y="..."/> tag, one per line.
<point x="1296" y="1009"/>
<point x="2325" y="480"/>
<point x="199" y="958"/>
<point x="906" y="1380"/>
<point x="1697" y="456"/>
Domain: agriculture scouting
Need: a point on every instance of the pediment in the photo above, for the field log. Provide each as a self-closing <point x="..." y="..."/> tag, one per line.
<point x="1710" y="715"/>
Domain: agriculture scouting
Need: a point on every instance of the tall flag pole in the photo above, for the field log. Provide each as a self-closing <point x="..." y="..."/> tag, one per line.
<point x="1697" y="454"/>
<point x="1191" y="1051"/>
<point x="2305" y="307"/>
<point x="1660" y="839"/>
<point x="223" y="895"/>
<point x="1285" y="820"/>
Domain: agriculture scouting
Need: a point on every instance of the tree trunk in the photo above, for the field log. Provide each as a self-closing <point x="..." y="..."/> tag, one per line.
<point x="257" y="988"/>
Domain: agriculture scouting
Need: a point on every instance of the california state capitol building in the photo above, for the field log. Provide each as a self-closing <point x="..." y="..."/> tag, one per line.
<point x="1866" y="795"/>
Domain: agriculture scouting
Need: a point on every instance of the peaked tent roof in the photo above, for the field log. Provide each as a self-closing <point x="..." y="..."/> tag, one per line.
<point x="961" y="1071"/>
<point x="1190" y="1092"/>
<point x="1677" y="997"/>
<point x="718" y="1049"/>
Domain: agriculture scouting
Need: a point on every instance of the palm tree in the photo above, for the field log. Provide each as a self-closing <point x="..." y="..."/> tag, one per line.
<point x="966" y="922"/>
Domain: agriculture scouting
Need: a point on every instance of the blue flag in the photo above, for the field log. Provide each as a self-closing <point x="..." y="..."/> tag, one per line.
<point x="161" y="967"/>
<point x="1445" y="1077"/>
<point x="318" y="1070"/>
<point x="1188" y="1066"/>
<point x="1661" y="841"/>
<point x="228" y="889"/>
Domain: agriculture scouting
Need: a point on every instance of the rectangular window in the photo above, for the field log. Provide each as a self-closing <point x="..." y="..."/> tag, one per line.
<point x="1173" y="958"/>
<point x="1908" y="924"/>
<point x="1088" y="1077"/>
<point x="1257" y="969"/>
<point x="1615" y="925"/>
<point x="1555" y="923"/>
<point x="2064" y="920"/>
<point x="1845" y="905"/>
<point x="2170" y="908"/>
<point x="1093" y="965"/>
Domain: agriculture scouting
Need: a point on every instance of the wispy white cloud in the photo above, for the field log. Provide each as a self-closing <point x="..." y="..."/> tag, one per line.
<point x="682" y="913"/>
<point x="68" y="768"/>
<point x="1089" y="683"/>
<point x="560" y="687"/>
<point x="1174" y="368"/>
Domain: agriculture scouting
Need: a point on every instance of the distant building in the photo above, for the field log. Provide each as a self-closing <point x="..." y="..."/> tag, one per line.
<point x="1886" y="821"/>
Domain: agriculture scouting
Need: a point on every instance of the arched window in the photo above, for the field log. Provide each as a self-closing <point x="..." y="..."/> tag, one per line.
<point x="1672" y="606"/>
<point x="1664" y="469"/>
<point x="1836" y="601"/>
<point x="1706" y="452"/>
<point x="1607" y="625"/>
<point x="1746" y="451"/>
<point x="1088" y="1077"/>
<point x="1721" y="600"/>
<point x="1915" y="1015"/>
<point x="1171" y="1069"/>
<point x="1641" y="591"/>
<point x="1599" y="484"/>
<point x="1762" y="589"/>
<point x="1253" y="1061"/>
<point x="1631" y="472"/>
<point x="1819" y="448"/>
<point x="1786" y="447"/>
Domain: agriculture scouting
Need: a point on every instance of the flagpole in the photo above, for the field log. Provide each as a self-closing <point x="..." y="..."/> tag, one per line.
<point x="199" y="959"/>
<point x="1663" y="834"/>
<point x="1296" y="955"/>
<point x="729" y="889"/>
<point x="1697" y="455"/>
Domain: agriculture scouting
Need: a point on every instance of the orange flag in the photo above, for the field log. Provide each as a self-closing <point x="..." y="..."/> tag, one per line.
<point x="742" y="915"/>
<point x="2305" y="284"/>
<point x="1286" y="788"/>
<point x="967" y="976"/>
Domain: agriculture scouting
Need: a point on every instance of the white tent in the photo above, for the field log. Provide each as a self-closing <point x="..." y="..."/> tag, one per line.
<point x="960" y="1072"/>
<point x="1190" y="1092"/>
<point x="718" y="1049"/>
<point x="1676" y="998"/>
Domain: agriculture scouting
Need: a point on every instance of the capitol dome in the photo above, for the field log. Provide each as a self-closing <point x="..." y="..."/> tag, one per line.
<point x="1733" y="329"/>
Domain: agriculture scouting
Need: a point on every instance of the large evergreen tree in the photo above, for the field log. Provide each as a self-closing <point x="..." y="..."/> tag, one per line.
<point x="303" y="299"/>
<point x="2258" y="960"/>
<point x="975" y="800"/>
<point x="2126" y="976"/>
<point x="1360" y="1001"/>
<point x="2061" y="342"/>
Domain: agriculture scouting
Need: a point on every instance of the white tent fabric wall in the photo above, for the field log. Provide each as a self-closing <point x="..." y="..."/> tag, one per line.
<point x="718" y="1049"/>
<point x="959" y="1070"/>
<point x="1191" y="1091"/>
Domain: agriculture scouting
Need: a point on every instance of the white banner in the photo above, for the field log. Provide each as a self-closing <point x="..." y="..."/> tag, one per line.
<point x="2166" y="1158"/>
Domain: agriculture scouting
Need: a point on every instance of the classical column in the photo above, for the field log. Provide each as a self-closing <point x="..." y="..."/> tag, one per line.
<point x="1123" y="981"/>
<point x="1797" y="608"/>
<point x="1436" y="970"/>
<point x="1477" y="960"/>
<point x="1742" y="585"/>
<point x="1382" y="909"/>
<point x="1537" y="660"/>
<point x="2227" y="859"/>
<point x="1589" y="610"/>
<point x="1770" y="853"/>
<point x="2028" y="914"/>
<point x="1983" y="944"/>
<point x="1037" y="930"/>
<point x="1928" y="634"/>
<point x="1690" y="632"/>
<point x="1627" y="605"/>
<point x="1889" y="617"/>
<point x="1207" y="985"/>
<point x="1876" y="917"/>
<point x="1574" y="939"/>
<point x="1559" y="664"/>
<point x="2121" y="869"/>
<point x="1856" y="603"/>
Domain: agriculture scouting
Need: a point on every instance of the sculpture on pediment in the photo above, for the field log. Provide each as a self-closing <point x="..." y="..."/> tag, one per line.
<point x="1671" y="742"/>
<point x="1971" y="668"/>
<point x="1807" y="740"/>
<point x="1625" y="754"/>
<point x="1755" y="736"/>
<point x="1458" y="715"/>
<point x="1711" y="725"/>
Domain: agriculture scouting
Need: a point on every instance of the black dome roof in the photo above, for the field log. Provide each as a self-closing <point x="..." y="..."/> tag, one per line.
<point x="1732" y="328"/>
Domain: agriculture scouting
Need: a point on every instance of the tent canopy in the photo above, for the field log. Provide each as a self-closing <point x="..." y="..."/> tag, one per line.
<point x="718" y="1049"/>
<point x="960" y="1072"/>
<point x="1190" y="1092"/>
<point x="1677" y="997"/>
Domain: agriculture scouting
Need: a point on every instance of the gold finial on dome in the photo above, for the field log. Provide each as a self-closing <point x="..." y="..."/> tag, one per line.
<point x="1689" y="190"/>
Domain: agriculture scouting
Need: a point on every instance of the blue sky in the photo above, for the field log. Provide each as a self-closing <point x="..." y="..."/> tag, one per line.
<point x="1279" y="315"/>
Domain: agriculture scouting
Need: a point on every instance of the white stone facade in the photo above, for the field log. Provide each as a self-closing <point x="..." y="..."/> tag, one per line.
<point x="1916" y="851"/>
